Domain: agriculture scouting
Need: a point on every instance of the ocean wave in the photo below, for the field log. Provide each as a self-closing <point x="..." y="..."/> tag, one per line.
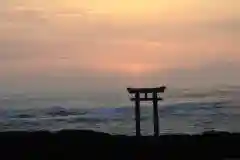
<point x="61" y="111"/>
<point x="181" y="116"/>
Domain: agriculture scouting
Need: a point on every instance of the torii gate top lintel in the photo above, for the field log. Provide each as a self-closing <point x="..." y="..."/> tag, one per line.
<point x="147" y="90"/>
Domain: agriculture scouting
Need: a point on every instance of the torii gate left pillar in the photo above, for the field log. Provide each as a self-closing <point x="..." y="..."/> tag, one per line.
<point x="137" y="98"/>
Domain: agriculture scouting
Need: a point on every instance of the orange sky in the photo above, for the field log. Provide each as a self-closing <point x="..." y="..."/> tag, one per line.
<point x="124" y="37"/>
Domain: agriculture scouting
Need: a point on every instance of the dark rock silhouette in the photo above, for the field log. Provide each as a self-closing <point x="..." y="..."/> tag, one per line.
<point x="91" y="145"/>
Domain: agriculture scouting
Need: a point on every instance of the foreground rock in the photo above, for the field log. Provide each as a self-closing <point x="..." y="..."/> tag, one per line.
<point x="74" y="144"/>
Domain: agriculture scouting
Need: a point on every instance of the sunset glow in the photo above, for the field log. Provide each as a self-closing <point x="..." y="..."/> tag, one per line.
<point x="138" y="37"/>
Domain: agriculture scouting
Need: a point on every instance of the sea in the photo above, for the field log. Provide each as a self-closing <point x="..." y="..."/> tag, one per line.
<point x="183" y="110"/>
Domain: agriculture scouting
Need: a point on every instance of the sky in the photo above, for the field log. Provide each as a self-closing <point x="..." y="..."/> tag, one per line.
<point x="92" y="45"/>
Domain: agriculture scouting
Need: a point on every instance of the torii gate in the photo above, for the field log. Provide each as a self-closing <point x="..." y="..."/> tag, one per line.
<point x="138" y="98"/>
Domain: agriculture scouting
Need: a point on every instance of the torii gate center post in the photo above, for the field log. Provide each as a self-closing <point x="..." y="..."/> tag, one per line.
<point x="150" y="94"/>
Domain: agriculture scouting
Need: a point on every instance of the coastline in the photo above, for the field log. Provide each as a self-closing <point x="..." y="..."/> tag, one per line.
<point x="72" y="144"/>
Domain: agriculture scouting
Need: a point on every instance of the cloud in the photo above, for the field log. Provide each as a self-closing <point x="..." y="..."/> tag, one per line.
<point x="22" y="14"/>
